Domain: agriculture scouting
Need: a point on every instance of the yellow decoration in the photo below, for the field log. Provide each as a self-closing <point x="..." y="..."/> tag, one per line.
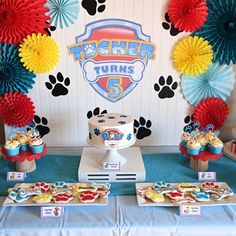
<point x="39" y="53"/>
<point x="192" y="56"/>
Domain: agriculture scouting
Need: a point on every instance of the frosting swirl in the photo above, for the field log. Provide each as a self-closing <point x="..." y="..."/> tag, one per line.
<point x="11" y="143"/>
<point x="185" y="136"/>
<point x="216" y="142"/>
<point x="193" y="143"/>
<point x="36" y="141"/>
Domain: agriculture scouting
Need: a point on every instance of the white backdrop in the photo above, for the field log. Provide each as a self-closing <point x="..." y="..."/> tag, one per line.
<point x="67" y="115"/>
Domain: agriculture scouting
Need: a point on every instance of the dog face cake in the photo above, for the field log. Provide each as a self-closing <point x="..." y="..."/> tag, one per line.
<point x="111" y="130"/>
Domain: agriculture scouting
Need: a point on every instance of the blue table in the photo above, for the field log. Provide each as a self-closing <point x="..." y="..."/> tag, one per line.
<point x="168" y="167"/>
<point x="122" y="216"/>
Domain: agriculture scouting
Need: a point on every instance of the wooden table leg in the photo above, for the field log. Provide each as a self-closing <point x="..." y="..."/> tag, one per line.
<point x="198" y="164"/>
<point x="26" y="166"/>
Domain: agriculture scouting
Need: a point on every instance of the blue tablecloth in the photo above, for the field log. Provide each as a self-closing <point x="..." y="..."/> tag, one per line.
<point x="167" y="167"/>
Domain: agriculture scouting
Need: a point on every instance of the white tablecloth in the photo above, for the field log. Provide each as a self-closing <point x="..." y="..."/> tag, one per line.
<point x="122" y="216"/>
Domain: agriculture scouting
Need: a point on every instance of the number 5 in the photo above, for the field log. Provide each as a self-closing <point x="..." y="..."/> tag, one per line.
<point x="114" y="88"/>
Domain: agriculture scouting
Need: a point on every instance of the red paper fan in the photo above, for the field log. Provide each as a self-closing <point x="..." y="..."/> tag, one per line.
<point x="211" y="111"/>
<point x="21" y="18"/>
<point x="16" y="109"/>
<point x="188" y="15"/>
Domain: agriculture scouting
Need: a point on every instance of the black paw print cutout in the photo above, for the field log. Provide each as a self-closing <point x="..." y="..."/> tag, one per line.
<point x="94" y="6"/>
<point x="41" y="125"/>
<point x="58" y="86"/>
<point x="142" y="128"/>
<point x="96" y="112"/>
<point x="188" y="120"/>
<point x="165" y="88"/>
<point x="167" y="25"/>
<point x="50" y="29"/>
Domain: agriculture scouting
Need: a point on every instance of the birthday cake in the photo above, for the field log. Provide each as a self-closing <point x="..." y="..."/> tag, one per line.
<point x="111" y="130"/>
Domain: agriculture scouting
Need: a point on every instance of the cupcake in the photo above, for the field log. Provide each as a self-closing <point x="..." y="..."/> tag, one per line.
<point x="12" y="147"/>
<point x="215" y="146"/>
<point x="193" y="146"/>
<point x="203" y="141"/>
<point x="210" y="135"/>
<point x="36" y="145"/>
<point x="185" y="138"/>
<point x="24" y="141"/>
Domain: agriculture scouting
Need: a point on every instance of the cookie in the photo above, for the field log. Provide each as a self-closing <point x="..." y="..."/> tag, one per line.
<point x="81" y="187"/>
<point x="210" y="187"/>
<point x="24" y="191"/>
<point x="222" y="193"/>
<point x="142" y="192"/>
<point x="15" y="196"/>
<point x="103" y="189"/>
<point x="187" y="187"/>
<point x="43" y="198"/>
<point x="62" y="198"/>
<point x="200" y="196"/>
<point x="163" y="187"/>
<point x="103" y="192"/>
<point x="88" y="196"/>
<point x="154" y="196"/>
<point x="60" y="187"/>
<point x="175" y="195"/>
<point x="43" y="186"/>
<point x="186" y="199"/>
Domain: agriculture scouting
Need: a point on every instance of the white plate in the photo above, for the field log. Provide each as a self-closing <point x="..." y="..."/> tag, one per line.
<point x="230" y="200"/>
<point x="74" y="202"/>
<point x="227" y="151"/>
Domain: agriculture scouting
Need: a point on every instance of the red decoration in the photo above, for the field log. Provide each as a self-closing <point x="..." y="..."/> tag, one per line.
<point x="24" y="155"/>
<point x="20" y="18"/>
<point x="203" y="155"/>
<point x="188" y="15"/>
<point x="16" y="109"/>
<point x="211" y="111"/>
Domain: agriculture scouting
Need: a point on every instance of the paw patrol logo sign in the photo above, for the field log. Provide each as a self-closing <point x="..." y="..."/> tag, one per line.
<point x="113" y="55"/>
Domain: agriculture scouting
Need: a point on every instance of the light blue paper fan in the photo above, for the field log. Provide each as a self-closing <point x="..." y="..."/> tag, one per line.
<point x="63" y="13"/>
<point x="217" y="81"/>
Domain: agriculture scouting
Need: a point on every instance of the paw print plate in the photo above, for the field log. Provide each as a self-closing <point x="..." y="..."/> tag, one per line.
<point x="62" y="199"/>
<point x="181" y="198"/>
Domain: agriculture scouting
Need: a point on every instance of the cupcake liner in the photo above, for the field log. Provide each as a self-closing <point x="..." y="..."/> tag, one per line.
<point x="13" y="151"/>
<point x="193" y="151"/>
<point x="215" y="150"/>
<point x="36" y="149"/>
<point x="184" y="143"/>
<point x="203" y="148"/>
<point x="24" y="147"/>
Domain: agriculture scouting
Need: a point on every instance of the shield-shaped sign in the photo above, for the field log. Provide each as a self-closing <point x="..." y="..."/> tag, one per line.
<point x="113" y="55"/>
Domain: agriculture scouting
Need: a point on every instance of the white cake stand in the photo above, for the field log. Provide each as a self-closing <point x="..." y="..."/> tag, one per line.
<point x="131" y="164"/>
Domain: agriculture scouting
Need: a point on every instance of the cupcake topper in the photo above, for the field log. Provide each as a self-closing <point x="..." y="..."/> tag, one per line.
<point x="191" y="127"/>
<point x="210" y="127"/>
<point x="196" y="125"/>
<point x="194" y="134"/>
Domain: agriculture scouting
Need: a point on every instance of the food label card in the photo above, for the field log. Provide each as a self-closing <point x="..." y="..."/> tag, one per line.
<point x="51" y="212"/>
<point x="111" y="165"/>
<point x="207" y="176"/>
<point x="16" y="176"/>
<point x="187" y="210"/>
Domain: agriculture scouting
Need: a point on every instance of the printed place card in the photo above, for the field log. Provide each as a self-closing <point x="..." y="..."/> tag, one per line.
<point x="207" y="176"/>
<point x="188" y="210"/>
<point x="51" y="212"/>
<point x="111" y="165"/>
<point x="16" y="176"/>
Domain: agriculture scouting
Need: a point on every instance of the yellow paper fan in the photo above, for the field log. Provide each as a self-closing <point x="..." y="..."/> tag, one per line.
<point x="39" y="53"/>
<point x="192" y="56"/>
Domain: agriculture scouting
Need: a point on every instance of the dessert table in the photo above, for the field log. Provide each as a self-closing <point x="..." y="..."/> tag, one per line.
<point x="122" y="216"/>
